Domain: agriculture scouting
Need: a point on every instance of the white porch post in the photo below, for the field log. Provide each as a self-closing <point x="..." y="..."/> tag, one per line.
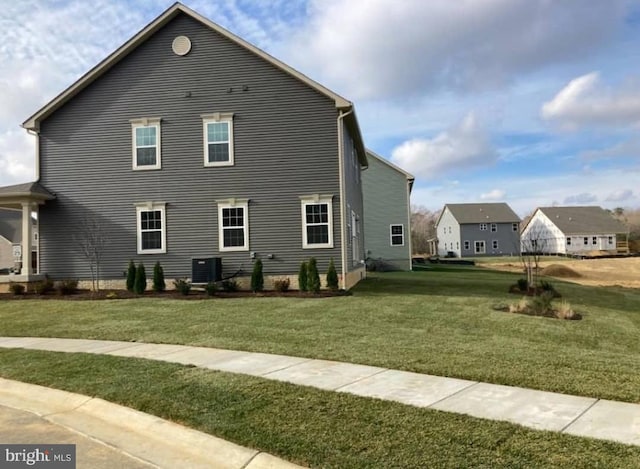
<point x="27" y="239"/>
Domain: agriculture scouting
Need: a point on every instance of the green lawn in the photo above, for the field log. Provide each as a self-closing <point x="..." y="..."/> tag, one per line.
<point x="438" y="321"/>
<point x="309" y="426"/>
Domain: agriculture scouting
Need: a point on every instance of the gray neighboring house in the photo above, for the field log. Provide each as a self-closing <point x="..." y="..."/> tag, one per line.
<point x="472" y="230"/>
<point x="11" y="239"/>
<point x="189" y="143"/>
<point x="387" y="212"/>
<point x="571" y="230"/>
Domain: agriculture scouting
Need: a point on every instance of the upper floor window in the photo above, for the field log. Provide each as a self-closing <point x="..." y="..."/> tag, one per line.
<point x="146" y="143"/>
<point x="218" y="139"/>
<point x="151" y="228"/>
<point x="233" y="224"/>
<point x="594" y="240"/>
<point x="467" y="245"/>
<point x="514" y="227"/>
<point x="494" y="227"/>
<point x="317" y="221"/>
<point x="568" y="241"/>
<point x="483" y="227"/>
<point x="397" y="235"/>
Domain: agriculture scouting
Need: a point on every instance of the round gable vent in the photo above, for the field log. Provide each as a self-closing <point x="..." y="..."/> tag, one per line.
<point x="181" y="45"/>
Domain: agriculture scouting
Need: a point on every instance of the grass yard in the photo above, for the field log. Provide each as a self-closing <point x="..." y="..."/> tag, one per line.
<point x="438" y="321"/>
<point x="309" y="426"/>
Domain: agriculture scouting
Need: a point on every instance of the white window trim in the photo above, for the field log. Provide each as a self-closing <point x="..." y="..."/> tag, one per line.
<point x="148" y="207"/>
<point x="233" y="203"/>
<point x="483" y="227"/>
<point x="217" y="117"/>
<point x="495" y="244"/>
<point x="391" y="235"/>
<point x="484" y="247"/>
<point x="467" y="245"/>
<point x="314" y="200"/>
<point x="146" y="122"/>
<point x="494" y="227"/>
<point x="514" y="227"/>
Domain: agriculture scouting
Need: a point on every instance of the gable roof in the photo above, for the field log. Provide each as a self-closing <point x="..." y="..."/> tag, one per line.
<point x="410" y="177"/>
<point x="342" y="104"/>
<point x="483" y="213"/>
<point x="27" y="189"/>
<point x="583" y="220"/>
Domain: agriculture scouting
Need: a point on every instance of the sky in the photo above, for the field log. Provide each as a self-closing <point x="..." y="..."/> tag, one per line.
<point x="529" y="102"/>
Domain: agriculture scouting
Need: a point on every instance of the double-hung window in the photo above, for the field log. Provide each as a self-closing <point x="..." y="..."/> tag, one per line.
<point x="218" y="139"/>
<point x="397" y="235"/>
<point x="233" y="224"/>
<point x="494" y="227"/>
<point x="317" y="221"/>
<point x="514" y="226"/>
<point x="146" y="143"/>
<point x="151" y="228"/>
<point x="467" y="245"/>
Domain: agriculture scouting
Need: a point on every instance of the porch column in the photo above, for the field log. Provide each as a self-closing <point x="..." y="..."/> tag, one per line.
<point x="27" y="239"/>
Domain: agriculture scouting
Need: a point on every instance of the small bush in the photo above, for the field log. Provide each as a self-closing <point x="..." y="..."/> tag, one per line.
<point x="281" y="285"/>
<point x="131" y="276"/>
<point x="541" y="304"/>
<point x="565" y="311"/>
<point x="140" y="284"/>
<point x="313" y="277"/>
<point x="257" y="278"/>
<point x="111" y="295"/>
<point x="332" y="276"/>
<point x="159" y="284"/>
<point x="523" y="284"/>
<point x="230" y="285"/>
<point x="44" y="286"/>
<point x="67" y="287"/>
<point x="519" y="307"/>
<point x="303" y="277"/>
<point x="17" y="288"/>
<point x="182" y="285"/>
<point x="211" y="288"/>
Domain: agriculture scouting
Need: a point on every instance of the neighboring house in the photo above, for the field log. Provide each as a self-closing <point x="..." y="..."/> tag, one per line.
<point x="189" y="143"/>
<point x="570" y="230"/>
<point x="11" y="237"/>
<point x="387" y="213"/>
<point x="469" y="230"/>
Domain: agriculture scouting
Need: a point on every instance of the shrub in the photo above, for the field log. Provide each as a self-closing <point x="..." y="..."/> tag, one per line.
<point x="281" y="285"/>
<point x="313" y="277"/>
<point x="211" y="288"/>
<point x="17" y="288"/>
<point x="182" y="285"/>
<point x="158" y="278"/>
<point x="43" y="287"/>
<point x="140" y="284"/>
<point x="541" y="304"/>
<point x="230" y="285"/>
<point x="523" y="284"/>
<point x="303" y="277"/>
<point x="131" y="276"/>
<point x="67" y="287"/>
<point x="519" y="307"/>
<point x="257" y="278"/>
<point x="565" y="311"/>
<point x="332" y="276"/>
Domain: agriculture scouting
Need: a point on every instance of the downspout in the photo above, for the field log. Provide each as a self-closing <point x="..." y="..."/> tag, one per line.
<point x="37" y="136"/>
<point x="409" y="225"/>
<point x="343" y="245"/>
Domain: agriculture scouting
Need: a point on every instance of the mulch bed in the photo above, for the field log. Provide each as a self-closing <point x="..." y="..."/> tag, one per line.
<point x="529" y="312"/>
<point x="84" y="295"/>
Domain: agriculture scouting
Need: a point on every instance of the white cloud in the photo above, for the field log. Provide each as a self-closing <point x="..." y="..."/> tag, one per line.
<point x="626" y="149"/>
<point x="621" y="195"/>
<point x="461" y="148"/>
<point x="585" y="101"/>
<point x="580" y="199"/>
<point x="495" y="194"/>
<point x="369" y="49"/>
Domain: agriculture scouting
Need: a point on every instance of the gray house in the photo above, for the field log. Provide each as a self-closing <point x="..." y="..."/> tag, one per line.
<point x="387" y="213"/>
<point x="11" y="240"/>
<point x="469" y="230"/>
<point x="574" y="230"/>
<point x="187" y="146"/>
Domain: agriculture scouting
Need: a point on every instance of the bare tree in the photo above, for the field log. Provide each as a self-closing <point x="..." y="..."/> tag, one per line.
<point x="91" y="241"/>
<point x="423" y="228"/>
<point x="532" y="248"/>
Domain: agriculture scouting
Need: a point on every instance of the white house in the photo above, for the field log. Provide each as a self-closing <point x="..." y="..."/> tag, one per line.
<point x="572" y="230"/>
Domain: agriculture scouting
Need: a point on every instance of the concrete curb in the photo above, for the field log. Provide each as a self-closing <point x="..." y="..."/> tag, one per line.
<point x="143" y="436"/>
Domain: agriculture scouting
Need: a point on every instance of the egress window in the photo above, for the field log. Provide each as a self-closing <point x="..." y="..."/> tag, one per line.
<point x="233" y="225"/>
<point x="218" y="139"/>
<point x="146" y="143"/>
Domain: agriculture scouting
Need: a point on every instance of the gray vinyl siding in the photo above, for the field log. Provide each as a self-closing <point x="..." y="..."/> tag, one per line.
<point x="508" y="240"/>
<point x="448" y="232"/>
<point x="353" y="202"/>
<point x="385" y="204"/>
<point x="285" y="142"/>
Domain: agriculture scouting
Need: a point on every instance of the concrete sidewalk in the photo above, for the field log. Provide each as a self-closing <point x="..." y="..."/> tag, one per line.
<point x="582" y="416"/>
<point x="122" y="437"/>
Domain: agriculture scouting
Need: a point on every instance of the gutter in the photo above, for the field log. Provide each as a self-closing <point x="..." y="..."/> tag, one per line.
<point x="343" y="246"/>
